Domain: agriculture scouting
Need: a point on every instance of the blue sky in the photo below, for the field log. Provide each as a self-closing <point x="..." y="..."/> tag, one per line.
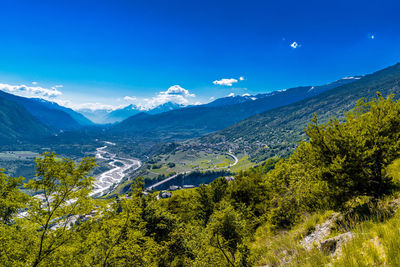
<point x="119" y="52"/>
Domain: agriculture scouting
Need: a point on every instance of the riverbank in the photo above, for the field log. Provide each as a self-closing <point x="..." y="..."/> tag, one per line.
<point x="106" y="180"/>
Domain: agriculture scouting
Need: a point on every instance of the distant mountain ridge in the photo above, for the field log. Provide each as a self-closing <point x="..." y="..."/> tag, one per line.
<point x="97" y="116"/>
<point x="104" y="116"/>
<point x="122" y="114"/>
<point x="199" y="120"/>
<point x="165" y="107"/>
<point x="17" y="124"/>
<point x="230" y="100"/>
<point x="50" y="113"/>
<point x="81" y="119"/>
<point x="277" y="131"/>
<point x="165" y="122"/>
<point x="313" y="90"/>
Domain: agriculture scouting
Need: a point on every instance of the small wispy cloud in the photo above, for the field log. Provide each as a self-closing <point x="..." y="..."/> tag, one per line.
<point x="371" y="36"/>
<point x="130" y="98"/>
<point x="295" y="45"/>
<point x="34" y="83"/>
<point x="226" y="82"/>
<point x="31" y="91"/>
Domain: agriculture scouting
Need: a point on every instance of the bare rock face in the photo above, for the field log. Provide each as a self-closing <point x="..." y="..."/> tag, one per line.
<point x="320" y="233"/>
<point x="318" y="238"/>
<point x="334" y="245"/>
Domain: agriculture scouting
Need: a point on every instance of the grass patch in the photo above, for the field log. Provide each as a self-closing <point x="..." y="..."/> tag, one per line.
<point x="281" y="248"/>
<point x="243" y="164"/>
<point x="376" y="241"/>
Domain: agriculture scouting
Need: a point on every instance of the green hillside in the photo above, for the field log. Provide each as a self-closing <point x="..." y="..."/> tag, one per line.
<point x="333" y="202"/>
<point x="49" y="113"/>
<point x="276" y="132"/>
<point x="17" y="124"/>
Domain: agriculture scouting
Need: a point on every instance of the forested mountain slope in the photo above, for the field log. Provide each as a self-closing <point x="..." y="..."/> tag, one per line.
<point x="276" y="132"/>
<point x="78" y="117"/>
<point x="18" y="124"/>
<point x="48" y="113"/>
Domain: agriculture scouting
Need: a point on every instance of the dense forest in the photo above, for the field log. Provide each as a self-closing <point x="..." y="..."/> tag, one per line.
<point x="347" y="166"/>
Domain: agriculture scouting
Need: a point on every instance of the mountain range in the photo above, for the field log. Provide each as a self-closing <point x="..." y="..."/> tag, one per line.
<point x="272" y="121"/>
<point x="49" y="113"/>
<point x="199" y="120"/>
<point x="277" y="131"/>
<point x="17" y="124"/>
<point x="105" y="116"/>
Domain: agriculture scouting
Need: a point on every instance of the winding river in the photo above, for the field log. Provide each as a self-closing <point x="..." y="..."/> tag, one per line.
<point x="106" y="180"/>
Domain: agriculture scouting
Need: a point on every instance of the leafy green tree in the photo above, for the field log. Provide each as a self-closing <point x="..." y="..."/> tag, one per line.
<point x="227" y="232"/>
<point x="218" y="189"/>
<point x="11" y="198"/>
<point x="340" y="160"/>
<point x="171" y="165"/>
<point x="352" y="155"/>
<point x="64" y="188"/>
<point x="205" y="205"/>
<point x="182" y="204"/>
<point x="248" y="190"/>
<point x="291" y="188"/>
<point x="118" y="238"/>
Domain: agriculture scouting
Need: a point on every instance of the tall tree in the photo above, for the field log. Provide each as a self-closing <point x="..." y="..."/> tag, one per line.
<point x="64" y="188"/>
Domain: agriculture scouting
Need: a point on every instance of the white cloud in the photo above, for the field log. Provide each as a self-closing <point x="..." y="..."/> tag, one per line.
<point x="212" y="98"/>
<point x="177" y="90"/>
<point x="371" y="36"/>
<point x="295" y="45"/>
<point x="31" y="91"/>
<point x="227" y="82"/>
<point x="351" y="78"/>
<point x="130" y="98"/>
<point x="34" y="83"/>
<point x="231" y="95"/>
<point x="175" y="94"/>
<point x="246" y="94"/>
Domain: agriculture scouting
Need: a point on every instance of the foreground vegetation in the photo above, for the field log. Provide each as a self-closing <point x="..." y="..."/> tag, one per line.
<point x="348" y="167"/>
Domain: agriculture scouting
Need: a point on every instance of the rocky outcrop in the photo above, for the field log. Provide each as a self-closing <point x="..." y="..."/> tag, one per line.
<point x="318" y="238"/>
<point x="321" y="232"/>
<point x="335" y="244"/>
